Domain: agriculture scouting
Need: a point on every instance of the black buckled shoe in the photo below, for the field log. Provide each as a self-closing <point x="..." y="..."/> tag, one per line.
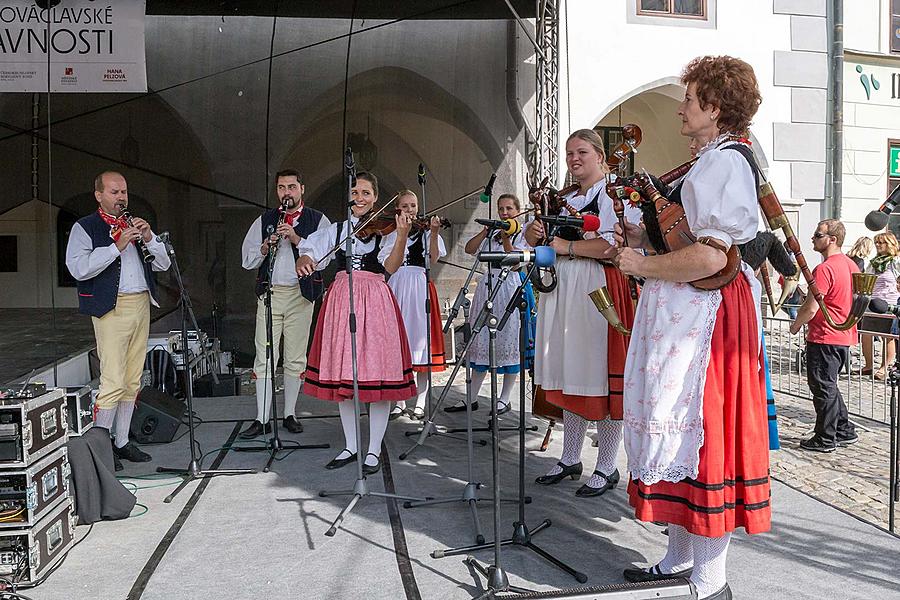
<point x="817" y="444"/>
<point x="396" y="413"/>
<point x="131" y="453"/>
<point x="504" y="408"/>
<point x="612" y="481"/>
<point x="337" y="463"/>
<point x="255" y="429"/>
<point x="573" y="471"/>
<point x="638" y="575"/>
<point x="372" y="469"/>
<point x="461" y="407"/>
<point x="292" y="424"/>
<point x="416" y="413"/>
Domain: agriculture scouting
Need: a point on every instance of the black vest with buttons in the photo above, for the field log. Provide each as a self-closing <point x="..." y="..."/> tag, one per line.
<point x="97" y="295"/>
<point x="415" y="252"/>
<point x="306" y="224"/>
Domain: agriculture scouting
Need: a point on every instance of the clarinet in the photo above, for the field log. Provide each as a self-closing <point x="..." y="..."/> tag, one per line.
<point x="273" y="248"/>
<point x="141" y="246"/>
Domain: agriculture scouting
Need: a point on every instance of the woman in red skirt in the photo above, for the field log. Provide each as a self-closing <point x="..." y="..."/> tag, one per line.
<point x="384" y="366"/>
<point x="695" y="409"/>
<point x="579" y="358"/>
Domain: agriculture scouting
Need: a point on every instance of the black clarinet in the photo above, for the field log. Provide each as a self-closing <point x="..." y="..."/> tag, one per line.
<point x="141" y="246"/>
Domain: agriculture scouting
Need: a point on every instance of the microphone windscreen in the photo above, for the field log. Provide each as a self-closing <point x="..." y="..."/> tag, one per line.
<point x="878" y="306"/>
<point x="591" y="222"/>
<point x="514" y="226"/>
<point x="876" y="220"/>
<point x="544" y="256"/>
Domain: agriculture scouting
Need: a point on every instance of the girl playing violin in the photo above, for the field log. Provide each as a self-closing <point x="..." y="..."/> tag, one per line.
<point x="507" y="344"/>
<point x="403" y="256"/>
<point x="579" y="358"/>
<point x="383" y="359"/>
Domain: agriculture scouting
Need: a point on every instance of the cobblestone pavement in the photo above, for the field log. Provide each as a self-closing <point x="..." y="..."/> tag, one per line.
<point x="854" y="478"/>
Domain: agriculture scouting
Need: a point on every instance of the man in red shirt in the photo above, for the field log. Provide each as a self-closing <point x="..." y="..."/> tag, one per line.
<point x="827" y="349"/>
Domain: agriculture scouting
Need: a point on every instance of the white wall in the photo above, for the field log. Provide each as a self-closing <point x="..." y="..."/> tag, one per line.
<point x="31" y="286"/>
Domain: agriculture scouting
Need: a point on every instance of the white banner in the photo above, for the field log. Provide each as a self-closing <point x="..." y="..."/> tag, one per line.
<point x="94" y="46"/>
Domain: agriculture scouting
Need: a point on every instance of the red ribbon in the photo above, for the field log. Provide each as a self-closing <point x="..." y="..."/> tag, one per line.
<point x="116" y="224"/>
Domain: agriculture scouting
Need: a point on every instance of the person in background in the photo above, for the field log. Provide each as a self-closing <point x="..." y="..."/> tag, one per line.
<point x="861" y="251"/>
<point x="886" y="266"/>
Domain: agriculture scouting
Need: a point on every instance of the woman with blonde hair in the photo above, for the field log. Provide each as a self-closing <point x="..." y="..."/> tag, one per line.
<point x="861" y="251"/>
<point x="886" y="266"/>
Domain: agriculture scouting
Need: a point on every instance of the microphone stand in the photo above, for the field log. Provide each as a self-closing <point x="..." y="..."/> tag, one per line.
<point x="521" y="535"/>
<point x="274" y="444"/>
<point x="193" y="470"/>
<point x="427" y="252"/>
<point x="360" y="487"/>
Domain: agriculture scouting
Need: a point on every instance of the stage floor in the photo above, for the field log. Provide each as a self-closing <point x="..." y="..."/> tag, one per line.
<point x="262" y="535"/>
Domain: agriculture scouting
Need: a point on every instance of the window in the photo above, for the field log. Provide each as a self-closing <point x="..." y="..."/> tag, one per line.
<point x="893" y="169"/>
<point x="9" y="254"/>
<point x="689" y="9"/>
<point x="612" y="137"/>
<point x="895" y="27"/>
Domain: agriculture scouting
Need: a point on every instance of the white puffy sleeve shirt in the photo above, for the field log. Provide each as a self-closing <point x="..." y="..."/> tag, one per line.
<point x="719" y="197"/>
<point x="387" y="245"/>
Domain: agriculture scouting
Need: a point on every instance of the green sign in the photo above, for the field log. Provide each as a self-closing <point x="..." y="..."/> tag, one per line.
<point x="894" y="165"/>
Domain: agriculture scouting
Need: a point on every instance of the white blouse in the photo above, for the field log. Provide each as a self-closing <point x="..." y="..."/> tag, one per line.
<point x="719" y="196"/>
<point x="387" y="245"/>
<point x="318" y="244"/>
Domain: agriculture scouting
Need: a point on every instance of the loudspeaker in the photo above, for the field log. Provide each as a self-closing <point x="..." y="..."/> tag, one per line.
<point x="229" y="385"/>
<point x="156" y="417"/>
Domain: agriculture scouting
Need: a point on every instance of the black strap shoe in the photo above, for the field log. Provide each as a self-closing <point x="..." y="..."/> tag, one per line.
<point x="612" y="481"/>
<point x="396" y="413"/>
<point x="255" y="429"/>
<point x="372" y="469"/>
<point x="573" y="471"/>
<point x="337" y="463"/>
<point x="461" y="407"/>
<point x="504" y="408"/>
<point x="131" y="453"/>
<point x="292" y="424"/>
<point x="638" y="575"/>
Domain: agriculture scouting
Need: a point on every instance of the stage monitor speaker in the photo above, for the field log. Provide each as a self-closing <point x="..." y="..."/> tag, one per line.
<point x="156" y="418"/>
<point x="229" y="385"/>
<point x="667" y="589"/>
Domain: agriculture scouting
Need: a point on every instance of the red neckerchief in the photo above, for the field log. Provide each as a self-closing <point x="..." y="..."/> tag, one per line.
<point x="116" y="224"/>
<point x="289" y="218"/>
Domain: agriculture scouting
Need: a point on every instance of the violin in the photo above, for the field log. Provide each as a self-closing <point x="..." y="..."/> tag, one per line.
<point x="385" y="224"/>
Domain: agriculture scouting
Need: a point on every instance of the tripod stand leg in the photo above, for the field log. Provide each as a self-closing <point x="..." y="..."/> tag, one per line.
<point x="168" y="499"/>
<point x="340" y="518"/>
<point x="580" y="577"/>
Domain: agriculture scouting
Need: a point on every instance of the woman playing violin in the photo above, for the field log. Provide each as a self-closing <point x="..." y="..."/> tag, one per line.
<point x="579" y="359"/>
<point x="403" y="256"/>
<point x="384" y="363"/>
<point x="696" y="434"/>
<point x="507" y="343"/>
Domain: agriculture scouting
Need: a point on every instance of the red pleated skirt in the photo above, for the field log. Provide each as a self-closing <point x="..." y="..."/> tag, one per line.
<point x="438" y="359"/>
<point x="384" y="364"/>
<point x="732" y="486"/>
<point x="596" y="408"/>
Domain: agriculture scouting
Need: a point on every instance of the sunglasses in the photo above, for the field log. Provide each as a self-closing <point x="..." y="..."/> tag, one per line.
<point x="819" y="235"/>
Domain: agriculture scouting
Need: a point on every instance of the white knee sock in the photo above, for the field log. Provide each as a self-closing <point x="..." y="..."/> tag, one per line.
<point x="422" y="385"/>
<point x="477" y="381"/>
<point x="378" y="422"/>
<point x="609" y="438"/>
<point x="680" y="553"/>
<point x="709" y="563"/>
<point x="263" y="399"/>
<point x="123" y="422"/>
<point x="509" y="384"/>
<point x="291" y="391"/>
<point x="106" y="417"/>
<point x="348" y="423"/>
<point x="574" y="430"/>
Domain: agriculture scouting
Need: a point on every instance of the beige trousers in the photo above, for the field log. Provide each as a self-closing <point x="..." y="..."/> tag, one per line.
<point x="121" y="336"/>
<point x="291" y="316"/>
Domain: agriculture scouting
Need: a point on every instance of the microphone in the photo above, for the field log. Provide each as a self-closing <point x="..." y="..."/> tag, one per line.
<point x="586" y="222"/>
<point x="510" y="226"/>
<point x="542" y="256"/>
<point x="421" y="174"/>
<point x="877" y="220"/>
<point x="880" y="307"/>
<point x="488" y="189"/>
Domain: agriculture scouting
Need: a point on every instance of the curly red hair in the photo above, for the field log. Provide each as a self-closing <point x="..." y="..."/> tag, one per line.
<point x="729" y="84"/>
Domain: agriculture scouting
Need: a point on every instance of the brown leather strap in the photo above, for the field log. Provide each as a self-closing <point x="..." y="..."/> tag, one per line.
<point x="713" y="243"/>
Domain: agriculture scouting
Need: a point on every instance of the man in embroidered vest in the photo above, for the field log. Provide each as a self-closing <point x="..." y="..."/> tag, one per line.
<point x="277" y="233"/>
<point x="116" y="287"/>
